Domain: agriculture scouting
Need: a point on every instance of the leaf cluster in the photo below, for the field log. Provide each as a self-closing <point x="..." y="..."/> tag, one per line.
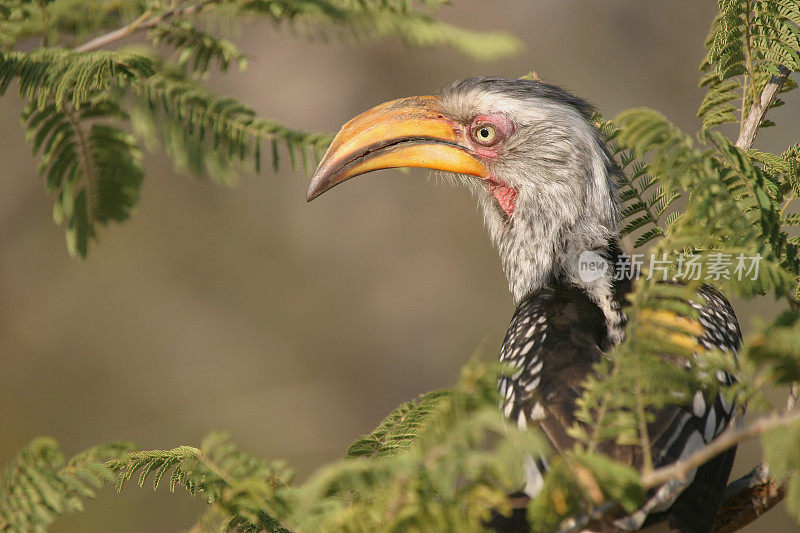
<point x="451" y="447"/>
<point x="91" y="109"/>
<point x="749" y="42"/>
<point x="38" y="484"/>
<point x="734" y="202"/>
<point x="245" y="493"/>
<point x="447" y="460"/>
<point x="646" y="204"/>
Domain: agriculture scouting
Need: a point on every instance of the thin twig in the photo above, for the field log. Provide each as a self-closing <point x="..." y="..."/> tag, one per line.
<point x="760" y="107"/>
<point x="145" y="22"/>
<point x="45" y="27"/>
<point x="86" y="160"/>
<point x="647" y="450"/>
<point x="727" y="439"/>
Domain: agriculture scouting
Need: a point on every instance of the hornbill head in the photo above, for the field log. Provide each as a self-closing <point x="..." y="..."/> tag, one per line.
<point x="545" y="183"/>
<point x="526" y="149"/>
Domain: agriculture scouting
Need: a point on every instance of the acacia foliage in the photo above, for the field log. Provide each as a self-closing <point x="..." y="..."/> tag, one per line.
<point x="447" y="459"/>
<point x="736" y="201"/>
<point x="89" y="108"/>
<point x="38" y="485"/>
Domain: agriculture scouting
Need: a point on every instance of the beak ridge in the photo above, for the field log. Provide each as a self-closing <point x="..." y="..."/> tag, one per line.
<point x="409" y="132"/>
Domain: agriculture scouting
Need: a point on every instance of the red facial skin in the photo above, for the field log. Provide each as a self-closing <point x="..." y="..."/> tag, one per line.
<point x="505" y="194"/>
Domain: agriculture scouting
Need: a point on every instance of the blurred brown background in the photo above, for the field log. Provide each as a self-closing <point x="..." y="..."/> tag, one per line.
<point x="294" y="326"/>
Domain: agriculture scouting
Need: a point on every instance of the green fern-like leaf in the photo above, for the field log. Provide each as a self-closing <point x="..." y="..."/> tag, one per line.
<point x="466" y="458"/>
<point x="644" y="204"/>
<point x="38" y="485"/>
<point x="421" y="30"/>
<point x="94" y="171"/>
<point x="748" y="42"/>
<point x="248" y="494"/>
<point x="398" y="430"/>
<point x="370" y="20"/>
<point x="197" y="48"/>
<point x="578" y="482"/>
<point x="207" y="134"/>
<point x="64" y="75"/>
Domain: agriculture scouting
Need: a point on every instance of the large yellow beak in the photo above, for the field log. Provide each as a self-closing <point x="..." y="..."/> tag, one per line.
<point x="410" y="132"/>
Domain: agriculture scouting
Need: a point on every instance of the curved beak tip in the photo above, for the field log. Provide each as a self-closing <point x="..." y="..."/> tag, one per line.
<point x="310" y="195"/>
<point x="410" y="132"/>
<point x="319" y="184"/>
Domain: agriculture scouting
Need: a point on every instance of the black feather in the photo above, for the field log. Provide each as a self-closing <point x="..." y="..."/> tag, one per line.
<point x="556" y="336"/>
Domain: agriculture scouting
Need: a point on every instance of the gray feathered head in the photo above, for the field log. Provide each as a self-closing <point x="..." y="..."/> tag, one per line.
<point x="526" y="149"/>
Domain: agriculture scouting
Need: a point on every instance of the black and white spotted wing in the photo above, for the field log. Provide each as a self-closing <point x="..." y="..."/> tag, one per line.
<point x="553" y="341"/>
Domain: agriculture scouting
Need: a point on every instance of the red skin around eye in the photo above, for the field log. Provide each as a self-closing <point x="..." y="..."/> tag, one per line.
<point x="502" y="125"/>
<point x="505" y="194"/>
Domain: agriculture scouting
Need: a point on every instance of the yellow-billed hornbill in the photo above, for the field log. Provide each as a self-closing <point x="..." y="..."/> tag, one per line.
<point x="546" y="185"/>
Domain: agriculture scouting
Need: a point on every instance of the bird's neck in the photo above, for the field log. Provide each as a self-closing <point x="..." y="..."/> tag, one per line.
<point x="551" y="249"/>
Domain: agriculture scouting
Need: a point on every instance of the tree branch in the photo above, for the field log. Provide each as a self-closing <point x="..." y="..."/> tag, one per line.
<point x="747" y="498"/>
<point x="753" y="494"/>
<point x="727" y="439"/>
<point x="794" y="393"/>
<point x="145" y="22"/>
<point x="756" y="492"/>
<point x="759" y="109"/>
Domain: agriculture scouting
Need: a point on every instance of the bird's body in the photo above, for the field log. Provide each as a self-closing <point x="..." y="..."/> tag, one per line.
<point x="546" y="186"/>
<point x="556" y="337"/>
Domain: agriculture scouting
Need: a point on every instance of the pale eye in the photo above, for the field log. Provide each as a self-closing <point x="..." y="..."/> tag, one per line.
<point x="484" y="134"/>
